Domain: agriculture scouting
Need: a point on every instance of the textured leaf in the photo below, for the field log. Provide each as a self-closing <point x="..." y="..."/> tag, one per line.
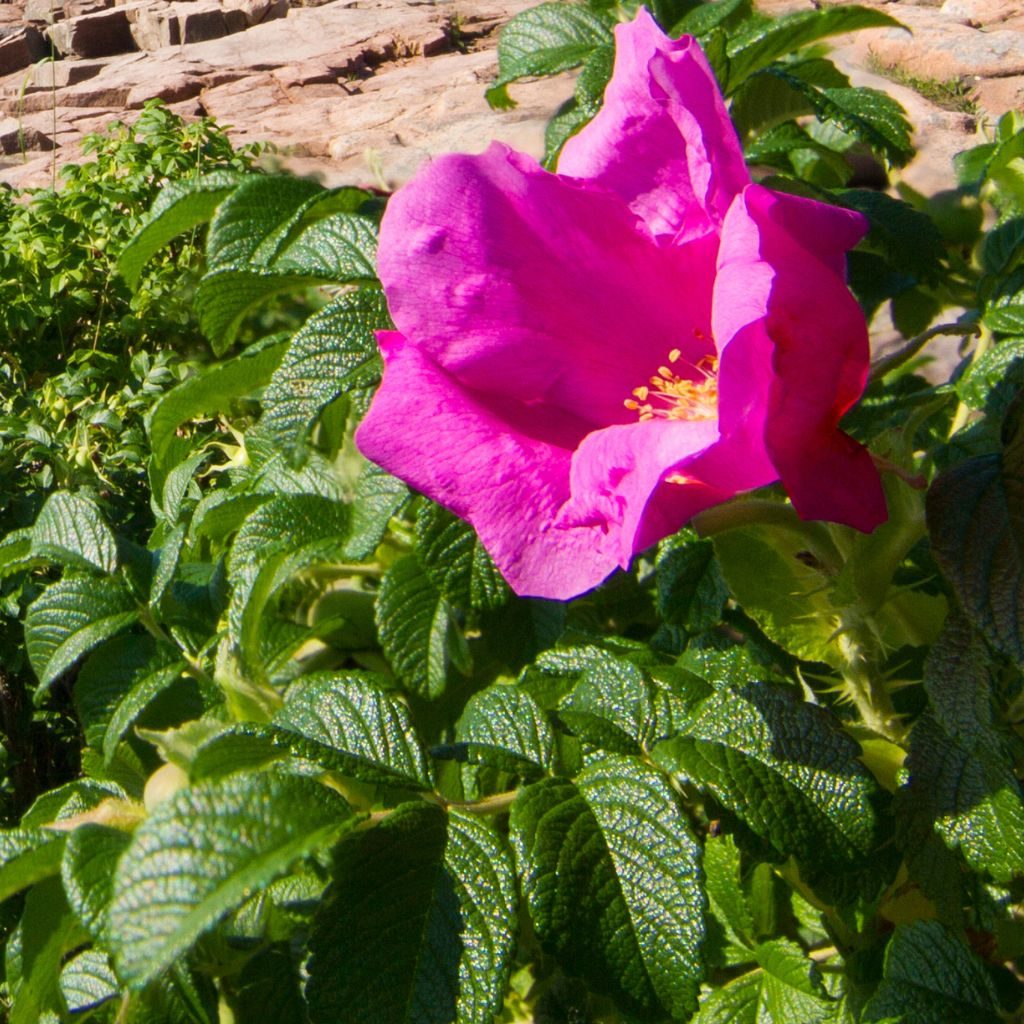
<point x="547" y="39"/>
<point x="867" y="114"/>
<point x="612" y="879"/>
<point x="211" y="390"/>
<point x="787" y="988"/>
<point x="145" y="685"/>
<point x="419" y="925"/>
<point x="787" y="771"/>
<point x="350" y="713"/>
<point x="414" y="623"/>
<point x="456" y="561"/>
<point x="994" y="380"/>
<point x="705" y="17"/>
<point x="88" y="870"/>
<point x="334" y="352"/>
<point x="88" y="981"/>
<point x="280" y="538"/>
<point x="71" y="617"/>
<point x="1006" y="319"/>
<point x="27" y="856"/>
<point x="70" y="530"/>
<point x="257" y="211"/>
<point x="929" y="976"/>
<point x="341" y="247"/>
<point x="203" y="852"/>
<point x="1003" y="246"/>
<point x="504" y="727"/>
<point x="691" y="590"/>
<point x="179" y="206"/>
<point x="975" y="514"/>
<point x="226" y="295"/>
<point x="378" y="497"/>
<point x="725" y="890"/>
<point x="49" y="931"/>
<point x="758" y="43"/>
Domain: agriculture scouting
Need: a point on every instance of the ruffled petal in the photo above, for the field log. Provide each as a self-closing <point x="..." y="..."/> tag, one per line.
<point x="662" y="140"/>
<point x="428" y="430"/>
<point x="781" y="300"/>
<point x="541" y="289"/>
<point x="617" y="471"/>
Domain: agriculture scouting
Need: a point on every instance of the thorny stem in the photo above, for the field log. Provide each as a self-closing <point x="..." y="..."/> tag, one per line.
<point x="963" y="410"/>
<point x="872" y="702"/>
<point x="914" y="345"/>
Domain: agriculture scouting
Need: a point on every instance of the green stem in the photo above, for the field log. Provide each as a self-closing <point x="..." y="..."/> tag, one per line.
<point x="963" y="411"/>
<point x="897" y="358"/>
<point x="733" y="515"/>
<point x="871" y="700"/>
<point x="159" y="634"/>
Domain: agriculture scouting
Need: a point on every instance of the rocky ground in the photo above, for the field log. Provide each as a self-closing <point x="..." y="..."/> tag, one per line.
<point x="360" y="91"/>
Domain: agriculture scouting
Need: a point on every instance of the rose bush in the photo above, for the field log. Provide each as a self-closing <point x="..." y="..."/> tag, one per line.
<point x="586" y="359"/>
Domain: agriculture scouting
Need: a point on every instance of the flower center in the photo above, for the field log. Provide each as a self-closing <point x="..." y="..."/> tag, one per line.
<point x="672" y="397"/>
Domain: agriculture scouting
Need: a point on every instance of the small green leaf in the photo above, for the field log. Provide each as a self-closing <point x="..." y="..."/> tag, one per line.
<point x="258" y="213"/>
<point x="334" y="352"/>
<point x="930" y="976"/>
<point x="995" y="379"/>
<point x="70" y="530"/>
<point x="179" y="206"/>
<point x="1003" y="246"/>
<point x="211" y="390"/>
<point x="88" y="870"/>
<point x="455" y="560"/>
<point x="691" y="590"/>
<point x="611" y="875"/>
<point x="341" y="247"/>
<point x="27" y="856"/>
<point x="378" y="497"/>
<point x="975" y="513"/>
<point x="503" y="726"/>
<point x="787" y="771"/>
<point x="549" y="38"/>
<point x="227" y="294"/>
<point x="1008" y="319"/>
<point x="88" y="981"/>
<point x="414" y="622"/>
<point x="70" y="618"/>
<point x="352" y="714"/>
<point x="725" y="890"/>
<point x="759" y="42"/>
<point x="202" y="853"/>
<point x="419" y="925"/>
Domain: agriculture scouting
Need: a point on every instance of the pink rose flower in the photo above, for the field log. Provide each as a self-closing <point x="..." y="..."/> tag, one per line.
<point x="585" y="360"/>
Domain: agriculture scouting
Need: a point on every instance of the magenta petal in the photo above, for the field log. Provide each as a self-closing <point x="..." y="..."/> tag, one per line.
<point x="617" y="471"/>
<point x="662" y="140"/>
<point x="426" y="429"/>
<point x="524" y="284"/>
<point x="781" y="300"/>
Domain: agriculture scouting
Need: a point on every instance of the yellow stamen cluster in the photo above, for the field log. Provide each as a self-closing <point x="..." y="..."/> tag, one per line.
<point x="670" y="396"/>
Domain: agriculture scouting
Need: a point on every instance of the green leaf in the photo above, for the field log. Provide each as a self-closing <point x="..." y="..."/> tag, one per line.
<point x="414" y="622"/>
<point x="455" y="560"/>
<point x="1003" y="246"/>
<point x="179" y="206"/>
<point x="994" y="380"/>
<point x="503" y="726"/>
<point x="419" y="925"/>
<point x="930" y="976"/>
<point x="202" y="853"/>
<point x="705" y="17"/>
<point x="88" y="981"/>
<point x="611" y="875"/>
<point x="27" y="856"/>
<point x="352" y="714"/>
<point x="786" y="770"/>
<point x="49" y="931"/>
<point x="760" y="42"/>
<point x="1008" y="319"/>
<point x="70" y="530"/>
<point x="867" y="114"/>
<point x="333" y="353"/>
<point x="226" y="295"/>
<point x="378" y="497"/>
<point x="691" y="590"/>
<point x="765" y="102"/>
<point x="341" y="247"/>
<point x="975" y="513"/>
<point x="722" y="869"/>
<point x="211" y="390"/>
<point x="70" y="618"/>
<point x="88" y="870"/>
<point x="549" y="38"/>
<point x="280" y="538"/>
<point x="786" y="988"/>
<point x="257" y="213"/>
